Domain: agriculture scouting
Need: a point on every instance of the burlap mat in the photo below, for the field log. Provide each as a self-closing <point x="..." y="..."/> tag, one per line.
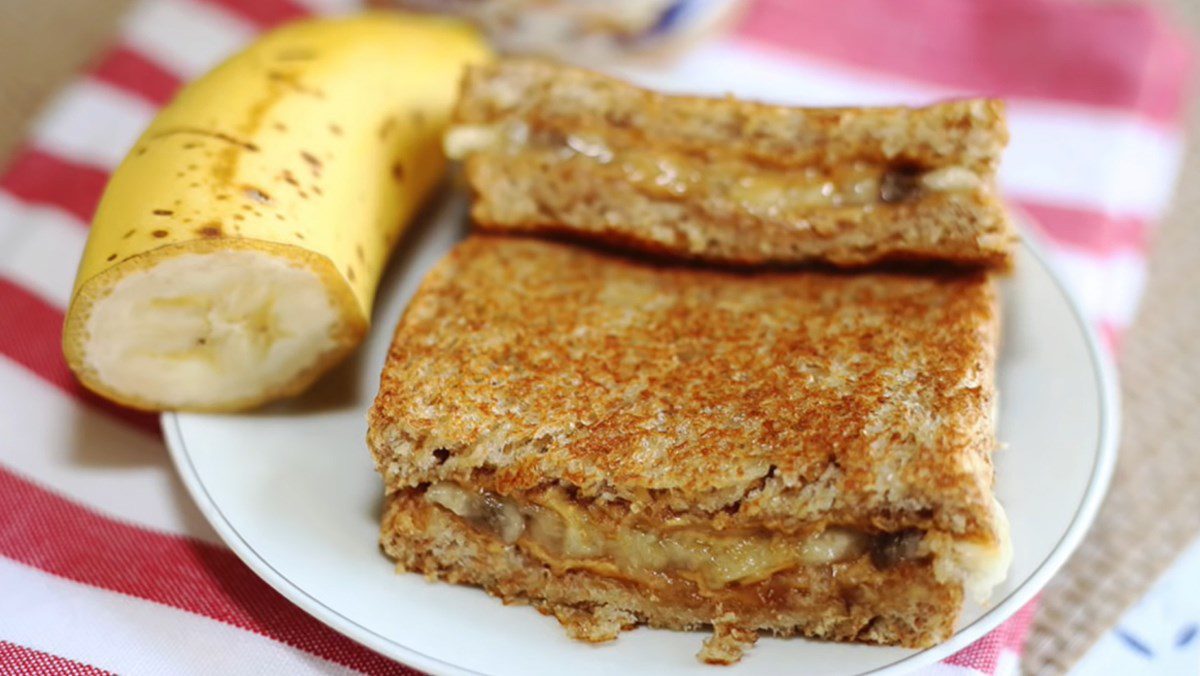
<point x="1153" y="509"/>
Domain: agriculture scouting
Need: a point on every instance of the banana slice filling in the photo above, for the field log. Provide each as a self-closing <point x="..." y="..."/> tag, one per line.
<point x="757" y="190"/>
<point x="564" y="535"/>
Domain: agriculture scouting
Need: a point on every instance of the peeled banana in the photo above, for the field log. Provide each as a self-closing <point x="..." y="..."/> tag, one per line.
<point x="235" y="253"/>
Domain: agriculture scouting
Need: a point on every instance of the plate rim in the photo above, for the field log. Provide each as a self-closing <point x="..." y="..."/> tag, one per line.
<point x="1104" y="463"/>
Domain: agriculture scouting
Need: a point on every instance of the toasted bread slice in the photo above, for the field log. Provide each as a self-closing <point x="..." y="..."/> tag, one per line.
<point x="549" y="148"/>
<point x="680" y="446"/>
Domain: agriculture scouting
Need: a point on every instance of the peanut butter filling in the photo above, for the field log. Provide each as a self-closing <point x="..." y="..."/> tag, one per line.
<point x="722" y="182"/>
<point x="565" y="535"/>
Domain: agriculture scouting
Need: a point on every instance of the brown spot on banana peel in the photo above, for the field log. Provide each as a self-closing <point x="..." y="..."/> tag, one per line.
<point x="210" y="230"/>
<point x="256" y="194"/>
<point x="225" y="166"/>
<point x="290" y="81"/>
<point x="220" y="136"/>
<point x="314" y="163"/>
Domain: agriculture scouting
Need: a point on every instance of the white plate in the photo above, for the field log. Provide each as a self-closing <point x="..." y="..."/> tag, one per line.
<point x="293" y="491"/>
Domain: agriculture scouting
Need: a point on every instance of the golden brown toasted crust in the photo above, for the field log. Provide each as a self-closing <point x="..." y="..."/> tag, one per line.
<point x="777" y="400"/>
<point x="851" y="601"/>
<point x="733" y="181"/>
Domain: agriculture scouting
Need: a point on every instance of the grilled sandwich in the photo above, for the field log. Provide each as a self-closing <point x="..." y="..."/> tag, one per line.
<point x="622" y="441"/>
<point x="552" y="149"/>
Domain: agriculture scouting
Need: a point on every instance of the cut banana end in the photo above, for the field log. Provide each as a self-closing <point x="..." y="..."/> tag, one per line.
<point x="212" y="330"/>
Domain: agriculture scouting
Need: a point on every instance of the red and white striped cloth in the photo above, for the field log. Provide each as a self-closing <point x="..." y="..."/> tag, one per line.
<point x="106" y="566"/>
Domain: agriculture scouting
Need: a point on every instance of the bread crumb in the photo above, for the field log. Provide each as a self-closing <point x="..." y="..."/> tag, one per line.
<point x="594" y="625"/>
<point x="727" y="644"/>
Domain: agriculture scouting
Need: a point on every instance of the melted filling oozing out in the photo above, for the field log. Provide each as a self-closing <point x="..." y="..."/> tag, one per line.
<point x="766" y="193"/>
<point x="563" y="534"/>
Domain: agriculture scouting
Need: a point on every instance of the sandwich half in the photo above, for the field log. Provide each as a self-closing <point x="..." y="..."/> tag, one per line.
<point x="554" y="149"/>
<point x="620" y="442"/>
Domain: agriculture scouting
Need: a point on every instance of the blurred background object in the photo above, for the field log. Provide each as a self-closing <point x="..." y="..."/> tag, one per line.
<point x="584" y="31"/>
